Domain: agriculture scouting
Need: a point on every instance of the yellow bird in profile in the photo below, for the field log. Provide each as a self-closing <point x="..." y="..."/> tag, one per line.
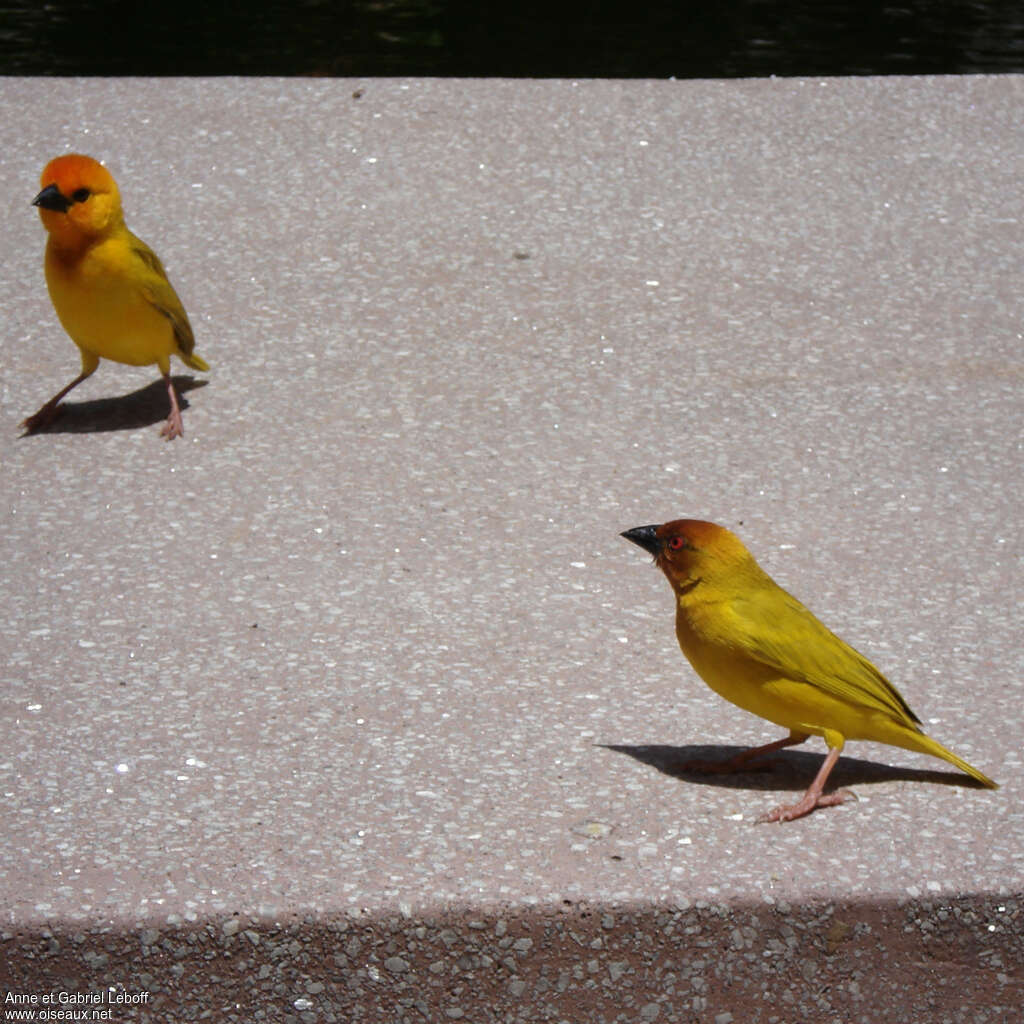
<point x="108" y="287"/>
<point x="760" y="648"/>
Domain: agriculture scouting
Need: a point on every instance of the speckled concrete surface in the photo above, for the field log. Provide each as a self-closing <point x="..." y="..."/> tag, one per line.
<point x="365" y="646"/>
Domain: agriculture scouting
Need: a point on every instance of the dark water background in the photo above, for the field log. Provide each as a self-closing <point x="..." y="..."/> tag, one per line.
<point x="657" y="39"/>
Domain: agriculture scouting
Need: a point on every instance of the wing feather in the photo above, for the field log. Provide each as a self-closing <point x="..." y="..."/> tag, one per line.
<point x="787" y="637"/>
<point x="160" y="294"/>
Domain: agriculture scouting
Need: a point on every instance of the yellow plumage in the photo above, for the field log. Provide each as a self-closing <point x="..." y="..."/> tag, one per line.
<point x="108" y="287"/>
<point x="760" y="648"/>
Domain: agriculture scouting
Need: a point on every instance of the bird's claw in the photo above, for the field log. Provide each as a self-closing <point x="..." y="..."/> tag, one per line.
<point x="172" y="428"/>
<point x="810" y="802"/>
<point x="39" y="419"/>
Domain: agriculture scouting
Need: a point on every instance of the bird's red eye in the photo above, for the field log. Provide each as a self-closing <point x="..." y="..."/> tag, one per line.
<point x="675" y="543"/>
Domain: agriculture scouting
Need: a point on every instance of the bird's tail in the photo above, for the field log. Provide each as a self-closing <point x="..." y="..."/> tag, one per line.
<point x="196" y="362"/>
<point x="926" y="745"/>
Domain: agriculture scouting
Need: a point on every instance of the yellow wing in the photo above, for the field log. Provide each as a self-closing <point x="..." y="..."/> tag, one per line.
<point x="773" y="627"/>
<point x="160" y="294"/>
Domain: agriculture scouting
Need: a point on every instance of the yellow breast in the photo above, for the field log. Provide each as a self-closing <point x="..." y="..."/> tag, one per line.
<point x="103" y="308"/>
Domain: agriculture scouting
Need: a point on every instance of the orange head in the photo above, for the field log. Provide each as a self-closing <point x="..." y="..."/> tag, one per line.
<point x="79" y="201"/>
<point x="690" y="551"/>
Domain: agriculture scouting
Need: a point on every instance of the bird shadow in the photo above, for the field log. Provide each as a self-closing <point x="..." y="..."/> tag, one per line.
<point x="781" y="770"/>
<point x="140" y="408"/>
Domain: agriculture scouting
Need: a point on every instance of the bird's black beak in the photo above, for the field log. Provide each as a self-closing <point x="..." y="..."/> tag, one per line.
<point x="644" y="536"/>
<point x="51" y="198"/>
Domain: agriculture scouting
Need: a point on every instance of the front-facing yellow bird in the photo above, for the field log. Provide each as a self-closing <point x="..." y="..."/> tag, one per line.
<point x="759" y="647"/>
<point x="108" y="287"/>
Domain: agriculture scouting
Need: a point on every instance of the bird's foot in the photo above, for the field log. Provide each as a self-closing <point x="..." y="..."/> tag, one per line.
<point x="811" y="801"/>
<point x="41" y="418"/>
<point x="752" y="760"/>
<point x="728" y="767"/>
<point x="173" y="427"/>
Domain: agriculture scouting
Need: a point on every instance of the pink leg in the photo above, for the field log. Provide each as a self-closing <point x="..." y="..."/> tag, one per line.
<point x="813" y="797"/>
<point x="46" y="413"/>
<point x="741" y="762"/>
<point x="173" y="427"/>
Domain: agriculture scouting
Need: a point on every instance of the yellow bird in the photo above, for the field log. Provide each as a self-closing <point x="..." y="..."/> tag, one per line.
<point x="760" y="648"/>
<point x="108" y="287"/>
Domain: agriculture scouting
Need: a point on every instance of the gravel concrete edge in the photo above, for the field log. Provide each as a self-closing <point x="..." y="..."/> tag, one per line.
<point x="938" y="959"/>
